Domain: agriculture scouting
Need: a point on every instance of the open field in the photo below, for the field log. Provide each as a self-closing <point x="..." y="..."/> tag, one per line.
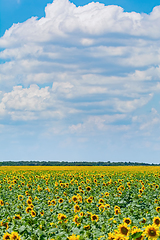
<point x="85" y="203"/>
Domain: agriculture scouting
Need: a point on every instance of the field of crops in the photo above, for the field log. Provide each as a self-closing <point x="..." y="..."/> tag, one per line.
<point x="79" y="203"/>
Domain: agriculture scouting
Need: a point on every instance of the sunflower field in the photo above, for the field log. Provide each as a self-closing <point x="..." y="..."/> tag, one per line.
<point x="79" y="203"/>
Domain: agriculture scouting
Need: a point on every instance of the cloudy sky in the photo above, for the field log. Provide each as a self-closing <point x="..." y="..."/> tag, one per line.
<point x="80" y="80"/>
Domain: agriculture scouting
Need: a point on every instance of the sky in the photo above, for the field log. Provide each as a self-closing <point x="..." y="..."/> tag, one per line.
<point x="80" y="80"/>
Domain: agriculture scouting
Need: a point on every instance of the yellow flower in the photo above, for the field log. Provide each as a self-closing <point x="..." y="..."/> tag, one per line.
<point x="94" y="217"/>
<point x="17" y="217"/>
<point x="29" y="201"/>
<point x="127" y="221"/>
<point x="158" y="209"/>
<point x="156" y="221"/>
<point x="74" y="198"/>
<point x="28" y="209"/>
<point x="76" y="219"/>
<point x="6" y="236"/>
<point x="106" y="194"/>
<point x="20" y="197"/>
<point x="76" y="208"/>
<point x="33" y="213"/>
<point x="111" y="236"/>
<point x="88" y="188"/>
<point x="61" y="216"/>
<point x="152" y="232"/>
<point x="42" y="213"/>
<point x="74" y="237"/>
<point x="1" y="203"/>
<point x="4" y="224"/>
<point x="14" y="236"/>
<point x="60" y="200"/>
<point x="87" y="227"/>
<point x="123" y="229"/>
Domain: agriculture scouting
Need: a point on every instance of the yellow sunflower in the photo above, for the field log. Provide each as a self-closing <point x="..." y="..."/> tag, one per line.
<point x="124" y="229"/>
<point x="33" y="213"/>
<point x="60" y="200"/>
<point x="74" y="237"/>
<point x="127" y="221"/>
<point x="6" y="236"/>
<point x="87" y="227"/>
<point x="152" y="232"/>
<point x="94" y="217"/>
<point x="156" y="221"/>
<point x="76" y="208"/>
<point x="14" y="236"/>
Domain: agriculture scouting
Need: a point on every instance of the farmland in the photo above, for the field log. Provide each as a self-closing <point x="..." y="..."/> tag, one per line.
<point x="79" y="203"/>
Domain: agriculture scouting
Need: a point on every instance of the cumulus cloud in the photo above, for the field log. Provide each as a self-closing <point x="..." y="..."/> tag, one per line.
<point x="90" y="65"/>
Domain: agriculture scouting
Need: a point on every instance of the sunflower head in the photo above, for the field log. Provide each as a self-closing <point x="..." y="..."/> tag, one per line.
<point x="94" y="217"/>
<point x="88" y="188"/>
<point x="6" y="236"/>
<point x="152" y="231"/>
<point x="33" y="213"/>
<point x="127" y="221"/>
<point x="74" y="237"/>
<point x="15" y="236"/>
<point x="60" y="200"/>
<point x="87" y="227"/>
<point x="156" y="221"/>
<point x="124" y="229"/>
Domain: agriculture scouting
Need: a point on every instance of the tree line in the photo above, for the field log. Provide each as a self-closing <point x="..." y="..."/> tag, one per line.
<point x="75" y="163"/>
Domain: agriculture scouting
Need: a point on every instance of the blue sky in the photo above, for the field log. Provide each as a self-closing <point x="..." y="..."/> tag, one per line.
<point x="80" y="80"/>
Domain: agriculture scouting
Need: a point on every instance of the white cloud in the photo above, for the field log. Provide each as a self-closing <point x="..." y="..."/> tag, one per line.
<point x="80" y="64"/>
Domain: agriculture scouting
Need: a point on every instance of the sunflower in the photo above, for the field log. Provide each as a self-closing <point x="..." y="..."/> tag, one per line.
<point x="60" y="200"/>
<point x="94" y="217"/>
<point x="28" y="209"/>
<point x="106" y="194"/>
<point x="61" y="216"/>
<point x="74" y="237"/>
<point x="4" y="224"/>
<point x="6" y="236"/>
<point x="76" y="208"/>
<point x="15" y="236"/>
<point x="102" y="207"/>
<point x="42" y="212"/>
<point x="152" y="232"/>
<point x="111" y="236"/>
<point x="76" y="220"/>
<point x="29" y="201"/>
<point x="20" y="197"/>
<point x="1" y="203"/>
<point x="158" y="209"/>
<point x="107" y="206"/>
<point x="117" y="211"/>
<point x="101" y="201"/>
<point x="74" y="198"/>
<point x="53" y="202"/>
<point x="88" y="188"/>
<point x="17" y="217"/>
<point x="80" y="198"/>
<point x="156" y="221"/>
<point x="87" y="227"/>
<point x="81" y="214"/>
<point x="120" y="237"/>
<point x="89" y="200"/>
<point x="144" y="220"/>
<point x="33" y="213"/>
<point x="79" y="188"/>
<point x="127" y="221"/>
<point x="123" y="229"/>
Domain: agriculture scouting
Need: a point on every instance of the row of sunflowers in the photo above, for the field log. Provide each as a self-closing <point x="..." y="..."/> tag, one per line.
<point x="80" y="203"/>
